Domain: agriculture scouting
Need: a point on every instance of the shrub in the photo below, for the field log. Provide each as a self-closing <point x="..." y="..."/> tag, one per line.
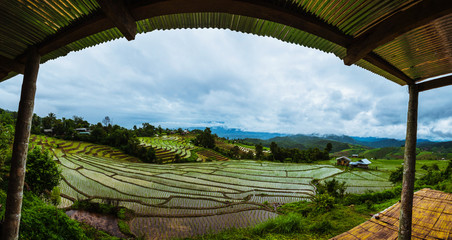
<point x="42" y="173"/>
<point x="42" y="221"/>
<point x="333" y="187"/>
<point x="396" y="176"/>
<point x="323" y="202"/>
<point x="55" y="197"/>
<point x="283" y="224"/>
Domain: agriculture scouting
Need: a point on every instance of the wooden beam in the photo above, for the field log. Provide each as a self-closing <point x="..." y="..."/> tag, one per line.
<point x="437" y="83"/>
<point x="398" y="24"/>
<point x="386" y="66"/>
<point x="8" y="64"/>
<point x="20" y="147"/>
<point x="3" y="75"/>
<point x="118" y="13"/>
<point x="97" y="22"/>
<point x="409" y="165"/>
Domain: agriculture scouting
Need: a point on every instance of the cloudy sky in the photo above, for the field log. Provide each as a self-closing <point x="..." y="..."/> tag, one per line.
<point x="185" y="78"/>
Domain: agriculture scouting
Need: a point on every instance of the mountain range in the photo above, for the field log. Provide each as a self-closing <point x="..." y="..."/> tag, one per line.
<point x="305" y="141"/>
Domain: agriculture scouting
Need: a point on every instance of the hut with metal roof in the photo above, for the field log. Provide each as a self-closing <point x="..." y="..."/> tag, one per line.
<point x="407" y="42"/>
<point x="363" y="163"/>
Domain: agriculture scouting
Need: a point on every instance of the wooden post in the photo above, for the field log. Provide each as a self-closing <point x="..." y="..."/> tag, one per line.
<point x="20" y="147"/>
<point x="409" y="166"/>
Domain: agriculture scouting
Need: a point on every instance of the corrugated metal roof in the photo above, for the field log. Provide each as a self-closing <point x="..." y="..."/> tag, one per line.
<point x="421" y="53"/>
<point x="432" y="219"/>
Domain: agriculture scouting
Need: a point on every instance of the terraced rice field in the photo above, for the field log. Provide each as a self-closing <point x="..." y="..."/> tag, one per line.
<point x="209" y="155"/>
<point x="62" y="147"/>
<point x="166" y="147"/>
<point x="362" y="181"/>
<point x="181" y="200"/>
<point x="194" y="198"/>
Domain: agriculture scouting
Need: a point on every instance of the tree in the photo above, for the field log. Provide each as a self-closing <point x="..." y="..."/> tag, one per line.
<point x="235" y="152"/>
<point x="47" y="122"/>
<point x="106" y="121"/>
<point x="396" y="176"/>
<point x="259" y="151"/>
<point x="206" y="139"/>
<point x="79" y="122"/>
<point x="275" y="150"/>
<point x="329" y="147"/>
<point x="42" y="172"/>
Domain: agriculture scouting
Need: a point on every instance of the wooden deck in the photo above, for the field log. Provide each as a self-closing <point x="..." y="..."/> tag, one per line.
<point x="432" y="219"/>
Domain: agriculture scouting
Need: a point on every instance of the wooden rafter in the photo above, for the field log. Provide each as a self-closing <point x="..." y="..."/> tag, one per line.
<point x="396" y="25"/>
<point x="384" y="65"/>
<point x="3" y="75"/>
<point x="437" y="83"/>
<point x="12" y="65"/>
<point x="118" y="13"/>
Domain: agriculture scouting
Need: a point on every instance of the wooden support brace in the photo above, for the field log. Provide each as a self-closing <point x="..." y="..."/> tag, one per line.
<point x="409" y="166"/>
<point x="20" y="147"/>
<point x="437" y="83"/>
<point x="418" y="15"/>
<point x="121" y="17"/>
<point x="386" y="66"/>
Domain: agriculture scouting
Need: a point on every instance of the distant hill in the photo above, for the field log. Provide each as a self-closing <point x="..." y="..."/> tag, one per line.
<point x="372" y="142"/>
<point x="234" y="133"/>
<point x="301" y="142"/>
<point x="384" y="153"/>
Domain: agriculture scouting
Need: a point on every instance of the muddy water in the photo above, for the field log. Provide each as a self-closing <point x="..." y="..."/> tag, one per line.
<point x="102" y="222"/>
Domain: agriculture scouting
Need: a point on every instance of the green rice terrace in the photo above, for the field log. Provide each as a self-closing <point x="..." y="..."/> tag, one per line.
<point x="166" y="147"/>
<point x="181" y="200"/>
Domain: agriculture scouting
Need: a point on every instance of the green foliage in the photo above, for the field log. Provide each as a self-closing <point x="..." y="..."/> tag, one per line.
<point x="42" y="173"/>
<point x="124" y="227"/>
<point x="332" y="187"/>
<point x="376" y="197"/>
<point x="259" y="151"/>
<point x="42" y="221"/>
<point x="436" y="176"/>
<point x="205" y="139"/>
<point x="6" y="140"/>
<point x="296" y="155"/>
<point x="323" y="202"/>
<point x="285" y="224"/>
<point x="55" y="197"/>
<point x="396" y="176"/>
<point x="384" y="153"/>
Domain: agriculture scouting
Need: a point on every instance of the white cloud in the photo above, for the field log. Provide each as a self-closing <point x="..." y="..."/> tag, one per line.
<point x="193" y="77"/>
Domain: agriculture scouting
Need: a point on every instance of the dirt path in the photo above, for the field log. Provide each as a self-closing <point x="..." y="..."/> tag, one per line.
<point x="105" y="223"/>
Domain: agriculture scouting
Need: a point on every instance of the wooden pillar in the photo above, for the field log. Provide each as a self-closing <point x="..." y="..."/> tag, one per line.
<point x="20" y="147"/>
<point x="409" y="166"/>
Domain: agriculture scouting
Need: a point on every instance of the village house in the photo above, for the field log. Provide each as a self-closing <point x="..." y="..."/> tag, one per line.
<point x="82" y="130"/>
<point x="343" y="161"/>
<point x="363" y="163"/>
